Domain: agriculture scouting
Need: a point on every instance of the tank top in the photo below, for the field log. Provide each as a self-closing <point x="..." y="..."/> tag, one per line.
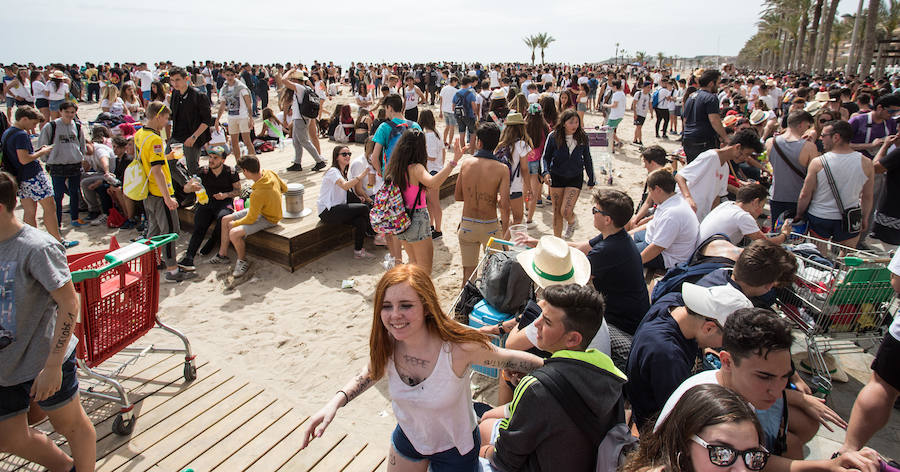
<point x="849" y="179"/>
<point x="437" y="414"/>
<point x="409" y="197"/>
<point x="786" y="184"/>
<point x="411" y="100"/>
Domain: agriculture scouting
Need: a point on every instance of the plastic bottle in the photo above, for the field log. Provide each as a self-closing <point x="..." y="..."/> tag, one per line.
<point x="202" y="197"/>
<point x="388" y="262"/>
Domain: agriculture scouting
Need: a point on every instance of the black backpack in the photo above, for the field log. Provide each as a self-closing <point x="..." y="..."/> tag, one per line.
<point x="310" y="105"/>
<point x="505" y="285"/>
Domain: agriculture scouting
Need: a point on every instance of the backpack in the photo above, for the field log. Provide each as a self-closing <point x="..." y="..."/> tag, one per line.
<point x="504" y="155"/>
<point x="53" y="131"/>
<point x="310" y="105"/>
<point x="135" y="183"/>
<point x="459" y="104"/>
<point x="389" y="214"/>
<point x="654" y="99"/>
<point x="397" y="130"/>
<point x="613" y="439"/>
<point x="179" y="174"/>
<point x="505" y="285"/>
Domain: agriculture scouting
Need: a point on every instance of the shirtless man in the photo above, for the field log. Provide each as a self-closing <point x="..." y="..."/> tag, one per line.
<point x="480" y="181"/>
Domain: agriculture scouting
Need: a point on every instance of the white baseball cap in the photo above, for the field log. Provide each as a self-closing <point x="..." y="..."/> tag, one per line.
<point x="717" y="303"/>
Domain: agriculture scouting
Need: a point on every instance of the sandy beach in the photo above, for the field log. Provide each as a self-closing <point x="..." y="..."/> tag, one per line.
<point x="299" y="334"/>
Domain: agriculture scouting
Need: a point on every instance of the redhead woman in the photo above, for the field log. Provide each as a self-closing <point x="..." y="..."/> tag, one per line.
<point x="426" y="357"/>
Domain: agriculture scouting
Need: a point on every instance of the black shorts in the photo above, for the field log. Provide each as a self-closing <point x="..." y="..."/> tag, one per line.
<point x="639" y="120"/>
<point x="887" y="360"/>
<point x="15" y="399"/>
<point x="558" y="181"/>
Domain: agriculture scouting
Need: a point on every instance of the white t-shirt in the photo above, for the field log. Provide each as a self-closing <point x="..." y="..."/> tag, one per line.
<point x="233" y="96"/>
<point x="101" y="151"/>
<point x="39" y="89"/>
<point x="533" y="97"/>
<point x="434" y="147"/>
<point x="331" y="194"/>
<point x="359" y="165"/>
<point x="116" y="108"/>
<point x="600" y="341"/>
<point x="495" y="79"/>
<point x="447" y="94"/>
<point x="894" y="267"/>
<point x="641" y="103"/>
<point x="707" y="179"/>
<point x="675" y="228"/>
<point x="520" y="151"/>
<point x="703" y="378"/>
<point x="146" y="79"/>
<point x="618" y="111"/>
<point x="661" y="96"/>
<point x="730" y="220"/>
<point x="57" y="93"/>
<point x="547" y="78"/>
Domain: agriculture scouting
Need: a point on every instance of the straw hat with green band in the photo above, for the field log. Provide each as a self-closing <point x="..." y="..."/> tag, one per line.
<point x="553" y="262"/>
<point x="804" y="364"/>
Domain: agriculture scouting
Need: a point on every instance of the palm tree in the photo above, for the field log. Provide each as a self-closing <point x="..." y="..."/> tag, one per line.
<point x="544" y="40"/>
<point x="640" y="56"/>
<point x="869" y="43"/>
<point x="852" y="62"/>
<point x="822" y="50"/>
<point x="659" y="59"/>
<point x="889" y="16"/>
<point x="814" y="35"/>
<point x="531" y="42"/>
<point x="839" y="32"/>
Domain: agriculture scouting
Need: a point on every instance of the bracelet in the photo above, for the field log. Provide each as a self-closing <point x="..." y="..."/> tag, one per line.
<point x="346" y="397"/>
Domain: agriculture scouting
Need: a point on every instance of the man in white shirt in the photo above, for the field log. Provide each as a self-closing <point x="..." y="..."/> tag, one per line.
<point x="671" y="236"/>
<point x="495" y="77"/>
<point x="737" y="219"/>
<point x="447" y="113"/>
<point x="145" y="78"/>
<point x="235" y="97"/>
<point x="641" y="107"/>
<point x="616" y="107"/>
<point x="705" y="180"/>
<point x="532" y="93"/>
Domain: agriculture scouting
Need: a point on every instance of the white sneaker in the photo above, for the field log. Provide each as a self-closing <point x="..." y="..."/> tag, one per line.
<point x="569" y="230"/>
<point x="100" y="220"/>
<point x="530" y="224"/>
<point x="240" y="268"/>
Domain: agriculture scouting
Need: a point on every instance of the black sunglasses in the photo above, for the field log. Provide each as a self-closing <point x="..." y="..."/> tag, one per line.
<point x="346" y="154"/>
<point x="724" y="456"/>
<point x="595" y="210"/>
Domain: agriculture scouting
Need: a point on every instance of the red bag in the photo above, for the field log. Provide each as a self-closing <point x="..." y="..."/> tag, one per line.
<point x="115" y="219"/>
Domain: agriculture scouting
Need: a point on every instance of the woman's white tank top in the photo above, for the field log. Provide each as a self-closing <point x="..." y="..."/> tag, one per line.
<point x="437" y="414"/>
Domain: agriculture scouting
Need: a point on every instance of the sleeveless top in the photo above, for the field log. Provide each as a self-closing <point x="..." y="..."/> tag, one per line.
<point x="849" y="179"/>
<point x="412" y="100"/>
<point x="409" y="197"/>
<point x="786" y="184"/>
<point x="437" y="414"/>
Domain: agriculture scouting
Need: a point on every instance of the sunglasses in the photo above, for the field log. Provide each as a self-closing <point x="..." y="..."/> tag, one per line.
<point x="346" y="154"/>
<point x="724" y="456"/>
<point x="595" y="210"/>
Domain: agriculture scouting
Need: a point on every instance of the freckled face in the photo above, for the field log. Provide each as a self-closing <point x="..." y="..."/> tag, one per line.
<point x="402" y="312"/>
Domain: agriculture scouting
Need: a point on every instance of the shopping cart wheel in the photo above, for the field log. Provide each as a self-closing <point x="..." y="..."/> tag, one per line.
<point x="123" y="427"/>
<point x="190" y="371"/>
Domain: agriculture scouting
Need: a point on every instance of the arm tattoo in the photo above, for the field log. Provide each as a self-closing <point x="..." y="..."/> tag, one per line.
<point x="62" y="341"/>
<point x="516" y="365"/>
<point x="362" y="383"/>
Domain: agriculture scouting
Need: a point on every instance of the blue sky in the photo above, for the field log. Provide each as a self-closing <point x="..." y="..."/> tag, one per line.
<point x="266" y="31"/>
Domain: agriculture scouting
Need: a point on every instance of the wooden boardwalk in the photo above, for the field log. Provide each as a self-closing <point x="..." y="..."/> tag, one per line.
<point x="217" y="422"/>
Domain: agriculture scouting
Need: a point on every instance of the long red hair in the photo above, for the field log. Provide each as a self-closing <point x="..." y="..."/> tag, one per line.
<point x="381" y="343"/>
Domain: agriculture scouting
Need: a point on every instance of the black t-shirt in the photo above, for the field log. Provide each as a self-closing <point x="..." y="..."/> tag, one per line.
<point x="619" y="275"/>
<point x="696" y="116"/>
<point x="222" y="183"/>
<point x="661" y="359"/>
<point x="890" y="205"/>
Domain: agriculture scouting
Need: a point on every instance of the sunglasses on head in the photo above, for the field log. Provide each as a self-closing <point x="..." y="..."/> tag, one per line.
<point x="725" y="456"/>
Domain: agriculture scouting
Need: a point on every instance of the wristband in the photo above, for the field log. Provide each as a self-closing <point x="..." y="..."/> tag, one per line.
<point x="346" y="397"/>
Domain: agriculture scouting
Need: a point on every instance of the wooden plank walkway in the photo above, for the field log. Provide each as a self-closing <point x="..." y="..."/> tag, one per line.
<point x="217" y="422"/>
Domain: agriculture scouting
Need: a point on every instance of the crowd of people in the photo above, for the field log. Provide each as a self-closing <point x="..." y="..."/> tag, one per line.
<point x="589" y="338"/>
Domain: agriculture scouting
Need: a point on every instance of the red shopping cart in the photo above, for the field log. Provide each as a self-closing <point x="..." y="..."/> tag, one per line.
<point x="119" y="291"/>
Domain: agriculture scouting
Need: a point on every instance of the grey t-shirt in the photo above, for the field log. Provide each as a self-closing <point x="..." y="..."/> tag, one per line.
<point x="67" y="147"/>
<point x="32" y="264"/>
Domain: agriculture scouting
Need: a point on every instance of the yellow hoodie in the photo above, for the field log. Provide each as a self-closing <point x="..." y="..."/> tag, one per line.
<point x="265" y="199"/>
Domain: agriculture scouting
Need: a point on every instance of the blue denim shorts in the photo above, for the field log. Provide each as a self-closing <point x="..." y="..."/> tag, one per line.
<point x="54" y="104"/>
<point x="829" y="229"/>
<point x="15" y="399"/>
<point x="450" y="119"/>
<point x="445" y="461"/>
<point x="419" y="227"/>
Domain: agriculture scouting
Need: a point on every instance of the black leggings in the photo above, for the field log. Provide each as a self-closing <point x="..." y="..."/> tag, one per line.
<point x="204" y="217"/>
<point x="353" y="214"/>
<point x="662" y="114"/>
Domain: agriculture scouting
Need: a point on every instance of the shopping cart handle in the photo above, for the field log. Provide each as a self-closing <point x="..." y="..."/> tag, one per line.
<point x="502" y="242"/>
<point x="852" y="261"/>
<point x="123" y="255"/>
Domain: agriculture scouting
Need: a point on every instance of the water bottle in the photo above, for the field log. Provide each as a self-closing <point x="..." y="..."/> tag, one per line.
<point x="388" y="262"/>
<point x="202" y="197"/>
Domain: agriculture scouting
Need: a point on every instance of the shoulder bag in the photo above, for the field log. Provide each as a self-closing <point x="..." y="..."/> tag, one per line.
<point x="851" y="218"/>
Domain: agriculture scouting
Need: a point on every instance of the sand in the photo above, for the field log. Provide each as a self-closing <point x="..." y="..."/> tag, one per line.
<point x="299" y="334"/>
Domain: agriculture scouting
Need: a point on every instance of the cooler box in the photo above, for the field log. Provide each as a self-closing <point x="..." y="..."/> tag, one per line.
<point x="484" y="315"/>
